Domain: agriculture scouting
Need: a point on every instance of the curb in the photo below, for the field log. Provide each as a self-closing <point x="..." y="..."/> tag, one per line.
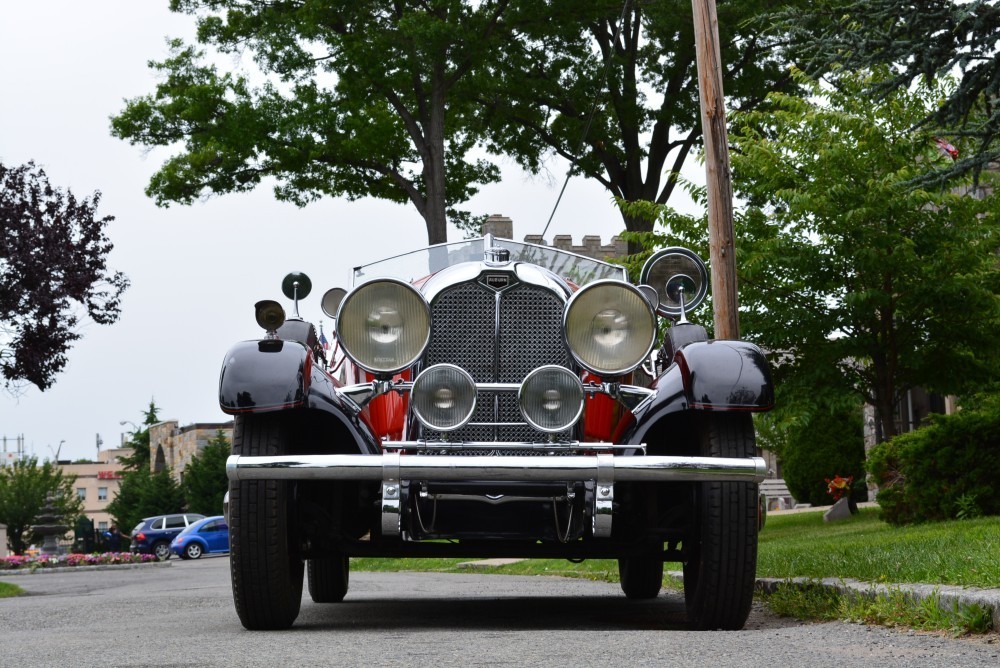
<point x="948" y="595"/>
<point x="75" y="569"/>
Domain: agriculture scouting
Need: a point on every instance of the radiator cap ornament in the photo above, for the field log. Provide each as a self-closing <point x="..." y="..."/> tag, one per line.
<point x="496" y="256"/>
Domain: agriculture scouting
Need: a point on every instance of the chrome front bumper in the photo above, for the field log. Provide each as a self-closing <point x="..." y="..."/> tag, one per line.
<point x="569" y="468"/>
<point x="392" y="467"/>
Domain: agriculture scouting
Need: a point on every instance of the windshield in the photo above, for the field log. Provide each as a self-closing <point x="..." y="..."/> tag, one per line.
<point x="426" y="261"/>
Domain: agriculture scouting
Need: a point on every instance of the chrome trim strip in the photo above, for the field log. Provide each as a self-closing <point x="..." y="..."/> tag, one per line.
<point x="513" y="445"/>
<point x="633" y="397"/>
<point x="496" y="468"/>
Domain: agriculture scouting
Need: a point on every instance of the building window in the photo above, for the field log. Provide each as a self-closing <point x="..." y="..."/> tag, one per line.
<point x="102" y="493"/>
<point x="102" y="526"/>
<point x="81" y="493"/>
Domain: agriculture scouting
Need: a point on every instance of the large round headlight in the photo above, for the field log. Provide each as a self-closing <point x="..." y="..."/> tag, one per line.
<point x="443" y="397"/>
<point x="384" y="325"/>
<point x="610" y="327"/>
<point x="551" y="398"/>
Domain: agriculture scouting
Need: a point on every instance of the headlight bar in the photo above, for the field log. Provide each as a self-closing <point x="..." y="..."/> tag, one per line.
<point x="632" y="397"/>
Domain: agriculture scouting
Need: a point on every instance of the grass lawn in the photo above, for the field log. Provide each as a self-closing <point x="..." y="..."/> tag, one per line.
<point x="961" y="552"/>
<point x="7" y="590"/>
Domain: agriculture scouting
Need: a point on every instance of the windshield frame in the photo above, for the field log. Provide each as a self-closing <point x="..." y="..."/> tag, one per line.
<point x="574" y="267"/>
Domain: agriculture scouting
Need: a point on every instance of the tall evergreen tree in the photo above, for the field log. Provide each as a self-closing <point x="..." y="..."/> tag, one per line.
<point x="205" y="482"/>
<point x="918" y="40"/>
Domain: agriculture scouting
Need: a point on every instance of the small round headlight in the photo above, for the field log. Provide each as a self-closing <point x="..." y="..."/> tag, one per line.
<point x="610" y="327"/>
<point x="551" y="399"/>
<point x="384" y="325"/>
<point x="443" y="397"/>
<point x="269" y="314"/>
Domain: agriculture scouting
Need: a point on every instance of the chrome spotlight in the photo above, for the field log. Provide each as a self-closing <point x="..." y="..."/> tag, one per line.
<point x="551" y="399"/>
<point x="443" y="397"/>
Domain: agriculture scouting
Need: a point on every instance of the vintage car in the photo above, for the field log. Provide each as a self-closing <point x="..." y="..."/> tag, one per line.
<point x="491" y="398"/>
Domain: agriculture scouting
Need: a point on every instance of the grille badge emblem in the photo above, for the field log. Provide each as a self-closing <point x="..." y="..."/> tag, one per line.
<point x="496" y="281"/>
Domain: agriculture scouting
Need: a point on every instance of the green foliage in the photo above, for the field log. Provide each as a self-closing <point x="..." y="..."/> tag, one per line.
<point x="920" y="40"/>
<point x="861" y="282"/>
<point x="8" y="590"/>
<point x="826" y="444"/>
<point x="139" y="442"/>
<point x="947" y="468"/>
<point x="961" y="553"/>
<point x="142" y="493"/>
<point x="612" y="87"/>
<point x="53" y="271"/>
<point x="24" y="487"/>
<point x="205" y="481"/>
<point x="358" y="98"/>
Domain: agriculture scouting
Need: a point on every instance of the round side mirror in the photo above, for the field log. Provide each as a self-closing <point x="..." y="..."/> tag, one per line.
<point x="294" y="280"/>
<point x="331" y="301"/>
<point x="680" y="279"/>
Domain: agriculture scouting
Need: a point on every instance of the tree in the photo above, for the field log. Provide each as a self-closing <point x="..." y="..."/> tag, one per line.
<point x="139" y="442"/>
<point x="357" y="98"/>
<point x="616" y="92"/>
<point x="854" y="279"/>
<point x="134" y="499"/>
<point x="53" y="271"/>
<point x="143" y="494"/>
<point x="24" y="488"/>
<point x="923" y="40"/>
<point x="205" y="482"/>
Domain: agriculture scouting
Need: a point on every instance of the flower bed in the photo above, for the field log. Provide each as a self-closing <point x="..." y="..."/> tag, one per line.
<point x="72" y="560"/>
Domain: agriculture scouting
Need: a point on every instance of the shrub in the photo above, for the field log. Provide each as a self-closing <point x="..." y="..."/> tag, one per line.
<point x="947" y="469"/>
<point x="828" y="444"/>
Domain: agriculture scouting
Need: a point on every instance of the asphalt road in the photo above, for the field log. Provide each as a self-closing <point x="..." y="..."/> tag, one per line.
<point x="181" y="614"/>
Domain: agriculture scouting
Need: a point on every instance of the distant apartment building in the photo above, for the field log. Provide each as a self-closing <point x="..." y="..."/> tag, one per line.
<point x="97" y="483"/>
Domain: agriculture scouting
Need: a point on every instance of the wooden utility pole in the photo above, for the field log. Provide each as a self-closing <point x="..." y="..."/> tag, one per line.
<point x="722" y="249"/>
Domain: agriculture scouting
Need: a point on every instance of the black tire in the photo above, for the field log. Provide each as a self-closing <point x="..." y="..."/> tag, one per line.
<point x="264" y="563"/>
<point x="193" y="551"/>
<point x="641" y="577"/>
<point x="329" y="578"/>
<point x="721" y="569"/>
<point x="160" y="550"/>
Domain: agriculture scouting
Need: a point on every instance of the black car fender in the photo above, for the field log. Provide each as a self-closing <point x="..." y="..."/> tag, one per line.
<point x="275" y="375"/>
<point x="708" y="376"/>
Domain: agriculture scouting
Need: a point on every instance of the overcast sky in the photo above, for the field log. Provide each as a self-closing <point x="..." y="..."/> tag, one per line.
<point x="196" y="271"/>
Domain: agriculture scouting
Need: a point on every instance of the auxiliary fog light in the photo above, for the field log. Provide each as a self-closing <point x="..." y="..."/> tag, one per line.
<point x="551" y="399"/>
<point x="443" y="397"/>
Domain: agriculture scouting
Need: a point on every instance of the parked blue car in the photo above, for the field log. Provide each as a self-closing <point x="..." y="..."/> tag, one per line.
<point x="210" y="535"/>
<point x="153" y="534"/>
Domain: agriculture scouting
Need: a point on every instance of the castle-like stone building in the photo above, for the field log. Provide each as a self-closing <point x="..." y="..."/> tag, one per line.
<point x="172" y="447"/>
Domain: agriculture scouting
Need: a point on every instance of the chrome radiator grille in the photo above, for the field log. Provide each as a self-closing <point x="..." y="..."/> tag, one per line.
<point x="497" y="337"/>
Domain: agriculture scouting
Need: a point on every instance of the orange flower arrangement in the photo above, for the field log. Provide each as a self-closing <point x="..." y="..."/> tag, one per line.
<point x="838" y="487"/>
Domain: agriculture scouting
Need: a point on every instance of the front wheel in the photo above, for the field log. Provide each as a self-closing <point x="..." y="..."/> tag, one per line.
<point x="264" y="563"/>
<point x="721" y="566"/>
<point x="329" y="578"/>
